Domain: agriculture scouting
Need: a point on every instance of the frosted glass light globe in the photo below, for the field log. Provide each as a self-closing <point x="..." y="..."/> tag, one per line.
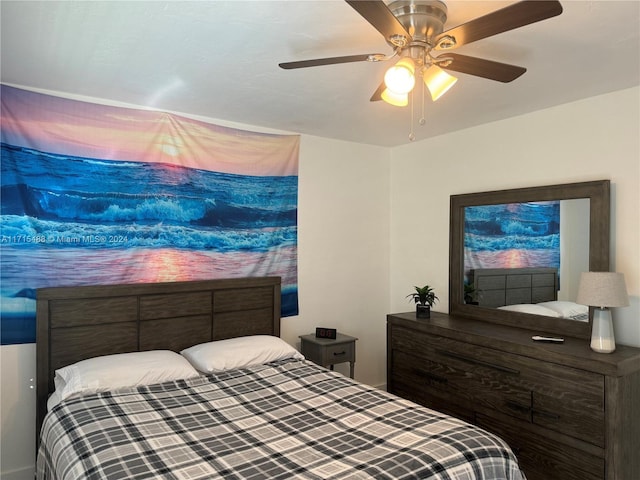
<point x="400" y="78"/>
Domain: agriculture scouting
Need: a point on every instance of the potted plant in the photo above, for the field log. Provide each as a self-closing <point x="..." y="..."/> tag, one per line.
<point x="424" y="297"/>
<point x="469" y="294"/>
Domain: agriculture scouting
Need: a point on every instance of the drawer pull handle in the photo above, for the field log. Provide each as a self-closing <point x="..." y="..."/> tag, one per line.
<point x="430" y="376"/>
<point x="517" y="407"/>
<point x="475" y="361"/>
<point x="543" y="413"/>
<point x="337" y="354"/>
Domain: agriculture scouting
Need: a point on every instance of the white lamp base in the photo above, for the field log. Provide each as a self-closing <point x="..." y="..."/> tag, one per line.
<point x="602" y="338"/>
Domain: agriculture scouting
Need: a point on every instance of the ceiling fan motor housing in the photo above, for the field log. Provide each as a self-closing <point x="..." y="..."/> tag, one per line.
<point x="423" y="19"/>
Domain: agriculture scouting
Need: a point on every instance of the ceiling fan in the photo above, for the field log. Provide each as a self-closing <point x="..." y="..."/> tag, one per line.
<point x="415" y="29"/>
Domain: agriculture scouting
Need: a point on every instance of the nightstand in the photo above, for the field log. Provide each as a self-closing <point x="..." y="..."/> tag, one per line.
<point x="326" y="352"/>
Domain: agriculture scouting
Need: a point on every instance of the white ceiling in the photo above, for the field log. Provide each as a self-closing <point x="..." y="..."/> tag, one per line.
<point x="219" y="59"/>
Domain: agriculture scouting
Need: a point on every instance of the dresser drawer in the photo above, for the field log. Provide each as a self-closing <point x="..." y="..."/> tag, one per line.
<point x="427" y="383"/>
<point x="569" y="401"/>
<point x="440" y="377"/>
<point x="560" y="398"/>
<point x="429" y="378"/>
<point x="542" y="458"/>
<point x="478" y="378"/>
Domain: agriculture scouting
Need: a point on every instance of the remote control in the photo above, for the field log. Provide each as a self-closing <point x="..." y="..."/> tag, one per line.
<point x="538" y="338"/>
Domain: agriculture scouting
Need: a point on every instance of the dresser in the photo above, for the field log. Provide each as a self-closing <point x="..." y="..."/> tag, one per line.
<point x="567" y="412"/>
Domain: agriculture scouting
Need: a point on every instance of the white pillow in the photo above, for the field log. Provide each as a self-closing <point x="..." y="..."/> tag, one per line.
<point x="239" y="352"/>
<point x="568" y="309"/>
<point x="535" y="309"/>
<point x="109" y="372"/>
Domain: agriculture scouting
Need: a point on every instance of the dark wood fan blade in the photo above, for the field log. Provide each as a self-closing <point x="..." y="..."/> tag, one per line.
<point x="325" y="61"/>
<point x="377" y="95"/>
<point x="514" y="16"/>
<point x="480" y="67"/>
<point x="380" y="17"/>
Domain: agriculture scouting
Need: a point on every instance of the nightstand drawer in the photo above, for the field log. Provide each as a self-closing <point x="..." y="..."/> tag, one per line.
<point x="345" y="352"/>
<point x="328" y="352"/>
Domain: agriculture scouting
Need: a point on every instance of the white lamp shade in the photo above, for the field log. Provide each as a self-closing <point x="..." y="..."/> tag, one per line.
<point x="602" y="289"/>
<point x="438" y="81"/>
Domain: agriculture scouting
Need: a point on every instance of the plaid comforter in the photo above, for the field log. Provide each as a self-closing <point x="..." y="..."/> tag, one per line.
<point x="288" y="419"/>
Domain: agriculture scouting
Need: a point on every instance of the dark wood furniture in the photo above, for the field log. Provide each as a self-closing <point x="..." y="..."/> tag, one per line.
<point x="568" y="413"/>
<point x="75" y="323"/>
<point x="328" y="352"/>
<point x="496" y="287"/>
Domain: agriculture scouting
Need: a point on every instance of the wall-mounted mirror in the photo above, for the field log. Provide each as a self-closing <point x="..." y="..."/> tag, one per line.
<point x="516" y="255"/>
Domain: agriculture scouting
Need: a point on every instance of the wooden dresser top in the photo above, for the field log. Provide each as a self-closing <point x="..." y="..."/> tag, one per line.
<point x="574" y="352"/>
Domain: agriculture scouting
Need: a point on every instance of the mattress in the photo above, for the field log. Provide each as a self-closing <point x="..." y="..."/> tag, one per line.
<point x="282" y="420"/>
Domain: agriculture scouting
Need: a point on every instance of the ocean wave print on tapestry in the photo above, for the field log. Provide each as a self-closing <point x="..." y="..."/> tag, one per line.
<point x="100" y="195"/>
<point x="512" y="235"/>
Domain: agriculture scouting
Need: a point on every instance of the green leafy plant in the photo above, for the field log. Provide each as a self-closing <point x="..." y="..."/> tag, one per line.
<point x="469" y="293"/>
<point x="424" y="296"/>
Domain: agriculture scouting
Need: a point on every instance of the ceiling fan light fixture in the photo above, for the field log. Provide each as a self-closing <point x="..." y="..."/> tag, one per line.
<point x="414" y="28"/>
<point x="395" y="99"/>
<point x="438" y="81"/>
<point x="400" y="78"/>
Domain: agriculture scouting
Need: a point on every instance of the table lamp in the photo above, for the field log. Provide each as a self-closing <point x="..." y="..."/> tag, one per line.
<point x="602" y="290"/>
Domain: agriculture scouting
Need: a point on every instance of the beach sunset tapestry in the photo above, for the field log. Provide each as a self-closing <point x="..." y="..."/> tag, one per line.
<point x="512" y="235"/>
<point x="95" y="194"/>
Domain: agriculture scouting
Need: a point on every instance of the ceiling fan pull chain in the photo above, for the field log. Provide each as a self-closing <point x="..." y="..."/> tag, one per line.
<point x="412" y="136"/>
<point x="422" y="120"/>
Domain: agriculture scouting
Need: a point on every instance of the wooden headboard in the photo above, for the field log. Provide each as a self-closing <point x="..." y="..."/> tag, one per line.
<point x="496" y="287"/>
<point x="76" y="323"/>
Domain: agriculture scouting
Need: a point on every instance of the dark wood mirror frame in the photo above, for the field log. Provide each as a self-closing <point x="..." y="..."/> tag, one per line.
<point x="598" y="192"/>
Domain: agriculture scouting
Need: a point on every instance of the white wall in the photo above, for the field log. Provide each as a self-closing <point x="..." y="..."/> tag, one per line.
<point x="592" y="139"/>
<point x="17" y="411"/>
<point x="343" y="248"/>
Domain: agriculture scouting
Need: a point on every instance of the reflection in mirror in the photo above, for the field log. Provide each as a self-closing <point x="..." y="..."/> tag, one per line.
<point x="574" y="246"/>
<point x="515" y="255"/>
<point x="540" y="247"/>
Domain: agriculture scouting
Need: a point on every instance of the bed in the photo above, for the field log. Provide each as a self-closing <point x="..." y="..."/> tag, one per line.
<point x="252" y="407"/>
<point x="496" y="287"/>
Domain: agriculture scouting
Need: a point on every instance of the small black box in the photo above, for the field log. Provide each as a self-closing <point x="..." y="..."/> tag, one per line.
<point x="326" y="333"/>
